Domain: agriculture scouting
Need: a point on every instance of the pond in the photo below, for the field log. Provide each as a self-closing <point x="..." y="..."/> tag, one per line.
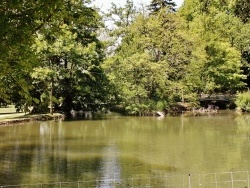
<point x="121" y="148"/>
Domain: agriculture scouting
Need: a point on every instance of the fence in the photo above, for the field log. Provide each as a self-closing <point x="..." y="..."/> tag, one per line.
<point x="211" y="180"/>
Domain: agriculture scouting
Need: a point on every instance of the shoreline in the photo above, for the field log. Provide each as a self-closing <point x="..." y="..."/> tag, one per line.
<point x="31" y="118"/>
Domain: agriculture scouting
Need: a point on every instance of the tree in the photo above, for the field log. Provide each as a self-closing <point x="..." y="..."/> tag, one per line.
<point x="69" y="48"/>
<point x="241" y="9"/>
<point x="121" y="16"/>
<point x="50" y="53"/>
<point x="19" y="21"/>
<point x="222" y="72"/>
<point x="218" y="30"/>
<point x="149" y="67"/>
<point x="157" y="5"/>
<point x="242" y="43"/>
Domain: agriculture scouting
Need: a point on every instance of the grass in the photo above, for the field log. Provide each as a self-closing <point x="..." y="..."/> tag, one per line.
<point x="9" y="115"/>
<point x="8" y="109"/>
<point x="9" y="112"/>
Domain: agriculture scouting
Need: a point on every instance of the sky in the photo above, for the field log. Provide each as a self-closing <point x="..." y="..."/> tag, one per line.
<point x="105" y="4"/>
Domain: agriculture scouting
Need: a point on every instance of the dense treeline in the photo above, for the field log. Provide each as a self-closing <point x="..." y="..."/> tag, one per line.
<point x="52" y="56"/>
<point x="60" y="54"/>
<point x="166" y="55"/>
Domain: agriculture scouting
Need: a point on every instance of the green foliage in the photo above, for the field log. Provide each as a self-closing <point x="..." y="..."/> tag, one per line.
<point x="157" y="5"/>
<point x="218" y="30"/>
<point x="241" y="9"/>
<point x="138" y="109"/>
<point x="243" y="101"/>
<point x="161" y="105"/>
<point x="173" y="57"/>
<point x="70" y="55"/>
<point x="50" y="51"/>
<point x="222" y="70"/>
<point x="151" y="62"/>
<point x="19" y="21"/>
<point x="122" y="16"/>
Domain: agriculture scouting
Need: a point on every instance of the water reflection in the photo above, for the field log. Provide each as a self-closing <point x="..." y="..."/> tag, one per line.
<point x="110" y="168"/>
<point x="243" y="124"/>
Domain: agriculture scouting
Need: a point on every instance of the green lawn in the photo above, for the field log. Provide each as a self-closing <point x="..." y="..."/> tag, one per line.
<point x="9" y="112"/>
<point x="8" y="109"/>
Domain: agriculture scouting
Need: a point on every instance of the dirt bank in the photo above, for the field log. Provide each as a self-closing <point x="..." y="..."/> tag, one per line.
<point x="30" y="118"/>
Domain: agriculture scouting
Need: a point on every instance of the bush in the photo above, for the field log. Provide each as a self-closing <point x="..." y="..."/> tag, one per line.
<point x="138" y="109"/>
<point x="243" y="101"/>
<point x="161" y="105"/>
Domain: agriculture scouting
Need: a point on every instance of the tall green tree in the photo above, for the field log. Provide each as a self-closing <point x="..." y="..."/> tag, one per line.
<point x="68" y="46"/>
<point x="243" y="43"/>
<point x="50" y="51"/>
<point x="241" y="10"/>
<point x="19" y="21"/>
<point x="218" y="30"/>
<point x="156" y="5"/>
<point x="150" y="64"/>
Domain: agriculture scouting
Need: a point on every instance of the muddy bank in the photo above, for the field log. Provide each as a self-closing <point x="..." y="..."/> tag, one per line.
<point x="30" y="118"/>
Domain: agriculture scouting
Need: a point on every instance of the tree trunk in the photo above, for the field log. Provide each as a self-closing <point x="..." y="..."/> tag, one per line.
<point x="50" y="99"/>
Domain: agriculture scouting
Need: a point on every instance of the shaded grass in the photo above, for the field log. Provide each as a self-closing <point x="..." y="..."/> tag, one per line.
<point x="9" y="115"/>
<point x="9" y="112"/>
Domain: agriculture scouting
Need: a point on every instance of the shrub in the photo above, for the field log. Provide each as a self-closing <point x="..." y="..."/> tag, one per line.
<point x="243" y="101"/>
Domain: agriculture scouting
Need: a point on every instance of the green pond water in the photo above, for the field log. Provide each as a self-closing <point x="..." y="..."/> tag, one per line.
<point x="121" y="148"/>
